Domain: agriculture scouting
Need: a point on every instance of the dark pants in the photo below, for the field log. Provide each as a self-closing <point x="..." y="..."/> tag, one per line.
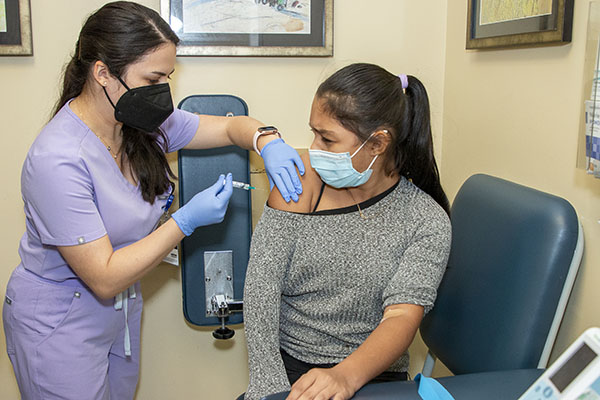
<point x="296" y="368"/>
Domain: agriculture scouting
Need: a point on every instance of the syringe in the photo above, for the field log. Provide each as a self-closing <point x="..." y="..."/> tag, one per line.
<point x="241" y="185"/>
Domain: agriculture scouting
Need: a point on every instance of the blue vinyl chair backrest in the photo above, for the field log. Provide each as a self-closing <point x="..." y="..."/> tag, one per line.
<point x="512" y="250"/>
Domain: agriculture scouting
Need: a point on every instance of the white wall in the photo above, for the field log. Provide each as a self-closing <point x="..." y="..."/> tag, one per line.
<point x="178" y="360"/>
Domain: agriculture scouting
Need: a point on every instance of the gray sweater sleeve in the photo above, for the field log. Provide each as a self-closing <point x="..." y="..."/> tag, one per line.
<point x="272" y="246"/>
<point x="423" y="262"/>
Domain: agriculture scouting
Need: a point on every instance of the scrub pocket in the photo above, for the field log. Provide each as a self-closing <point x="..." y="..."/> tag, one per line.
<point x="38" y="308"/>
<point x="53" y="306"/>
<point x="7" y="321"/>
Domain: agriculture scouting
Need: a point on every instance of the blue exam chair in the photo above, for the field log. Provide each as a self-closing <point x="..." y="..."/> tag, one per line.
<point x="514" y="258"/>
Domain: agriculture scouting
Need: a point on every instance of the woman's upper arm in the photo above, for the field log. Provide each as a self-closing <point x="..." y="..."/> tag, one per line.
<point x="88" y="261"/>
<point x="180" y="128"/>
<point x="211" y="132"/>
<point x="311" y="184"/>
<point x="421" y="264"/>
<point x="197" y="131"/>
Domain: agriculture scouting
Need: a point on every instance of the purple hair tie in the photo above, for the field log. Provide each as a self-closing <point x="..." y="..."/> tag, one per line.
<point x="404" y="80"/>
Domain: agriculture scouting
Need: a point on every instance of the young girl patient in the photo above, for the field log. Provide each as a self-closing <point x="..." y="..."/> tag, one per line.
<point x="338" y="283"/>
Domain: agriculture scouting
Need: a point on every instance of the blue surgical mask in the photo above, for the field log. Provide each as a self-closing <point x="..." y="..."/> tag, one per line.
<point x="336" y="169"/>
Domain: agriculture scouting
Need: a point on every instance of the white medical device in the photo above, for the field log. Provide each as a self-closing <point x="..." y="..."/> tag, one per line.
<point x="575" y="375"/>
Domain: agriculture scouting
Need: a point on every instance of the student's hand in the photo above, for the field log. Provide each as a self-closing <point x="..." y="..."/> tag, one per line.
<point x="205" y="208"/>
<point x="322" y="384"/>
<point x="281" y="161"/>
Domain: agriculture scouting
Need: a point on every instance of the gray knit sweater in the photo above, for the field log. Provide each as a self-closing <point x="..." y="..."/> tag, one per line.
<point x="317" y="285"/>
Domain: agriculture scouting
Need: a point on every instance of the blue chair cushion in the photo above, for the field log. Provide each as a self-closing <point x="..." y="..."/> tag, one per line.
<point x="496" y="385"/>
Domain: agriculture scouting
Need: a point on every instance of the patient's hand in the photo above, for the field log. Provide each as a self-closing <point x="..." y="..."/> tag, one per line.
<point x="322" y="384"/>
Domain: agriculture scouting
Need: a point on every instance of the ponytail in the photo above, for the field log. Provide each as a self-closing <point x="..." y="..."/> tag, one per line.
<point x="419" y="163"/>
<point x="74" y="77"/>
<point x="365" y="97"/>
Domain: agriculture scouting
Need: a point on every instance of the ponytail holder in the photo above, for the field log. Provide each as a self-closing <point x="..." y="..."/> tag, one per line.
<point x="404" y="80"/>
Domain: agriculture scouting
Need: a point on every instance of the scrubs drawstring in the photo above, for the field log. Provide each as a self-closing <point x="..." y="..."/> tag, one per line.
<point x="121" y="302"/>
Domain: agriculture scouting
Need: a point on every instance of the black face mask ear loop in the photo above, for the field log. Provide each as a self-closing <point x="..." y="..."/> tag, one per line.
<point x="109" y="100"/>
<point x="106" y="93"/>
<point x="123" y="82"/>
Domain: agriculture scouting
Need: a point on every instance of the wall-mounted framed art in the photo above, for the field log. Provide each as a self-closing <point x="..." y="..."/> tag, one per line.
<point x="15" y="28"/>
<point x="518" y="23"/>
<point x="251" y="27"/>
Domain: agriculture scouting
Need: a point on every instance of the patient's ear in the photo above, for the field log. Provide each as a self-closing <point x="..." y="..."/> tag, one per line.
<point x="379" y="142"/>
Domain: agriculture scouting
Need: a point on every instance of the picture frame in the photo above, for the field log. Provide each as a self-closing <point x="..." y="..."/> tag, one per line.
<point x="292" y="28"/>
<point x="494" y="24"/>
<point x="15" y="28"/>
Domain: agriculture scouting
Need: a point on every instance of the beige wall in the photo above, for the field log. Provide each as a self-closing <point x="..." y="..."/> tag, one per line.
<point x="515" y="114"/>
<point x="178" y="360"/>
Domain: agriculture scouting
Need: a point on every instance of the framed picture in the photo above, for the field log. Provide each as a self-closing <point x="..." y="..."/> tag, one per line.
<point x="518" y="23"/>
<point x="15" y="28"/>
<point x="251" y="27"/>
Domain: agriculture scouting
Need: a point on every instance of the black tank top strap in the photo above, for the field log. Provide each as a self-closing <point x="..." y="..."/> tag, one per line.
<point x="319" y="198"/>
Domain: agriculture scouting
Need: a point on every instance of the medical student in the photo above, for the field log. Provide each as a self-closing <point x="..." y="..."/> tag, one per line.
<point x="94" y="183"/>
<point x="338" y="282"/>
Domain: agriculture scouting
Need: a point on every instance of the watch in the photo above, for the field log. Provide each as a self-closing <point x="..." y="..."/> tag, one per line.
<point x="262" y="131"/>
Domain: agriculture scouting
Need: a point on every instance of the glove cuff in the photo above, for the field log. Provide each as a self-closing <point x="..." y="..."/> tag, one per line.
<point x="179" y="218"/>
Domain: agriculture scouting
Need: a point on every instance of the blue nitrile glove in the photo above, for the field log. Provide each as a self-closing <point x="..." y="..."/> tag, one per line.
<point x="281" y="161"/>
<point x="206" y="207"/>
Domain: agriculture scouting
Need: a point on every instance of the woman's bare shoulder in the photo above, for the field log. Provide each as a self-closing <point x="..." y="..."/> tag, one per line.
<point x="311" y="185"/>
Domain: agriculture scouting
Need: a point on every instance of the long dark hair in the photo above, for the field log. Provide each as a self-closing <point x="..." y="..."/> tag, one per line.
<point x="119" y="34"/>
<point x="365" y="98"/>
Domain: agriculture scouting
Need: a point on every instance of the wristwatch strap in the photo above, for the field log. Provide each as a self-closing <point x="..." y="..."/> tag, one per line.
<point x="271" y="130"/>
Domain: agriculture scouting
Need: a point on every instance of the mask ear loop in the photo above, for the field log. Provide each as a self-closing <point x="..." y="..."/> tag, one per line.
<point x="365" y="142"/>
<point x="123" y="82"/>
<point x="109" y="100"/>
<point x="106" y="93"/>
<point x="362" y="145"/>
<point x="372" y="162"/>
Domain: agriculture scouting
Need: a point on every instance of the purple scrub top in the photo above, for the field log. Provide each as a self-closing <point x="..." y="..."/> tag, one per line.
<point x="75" y="193"/>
